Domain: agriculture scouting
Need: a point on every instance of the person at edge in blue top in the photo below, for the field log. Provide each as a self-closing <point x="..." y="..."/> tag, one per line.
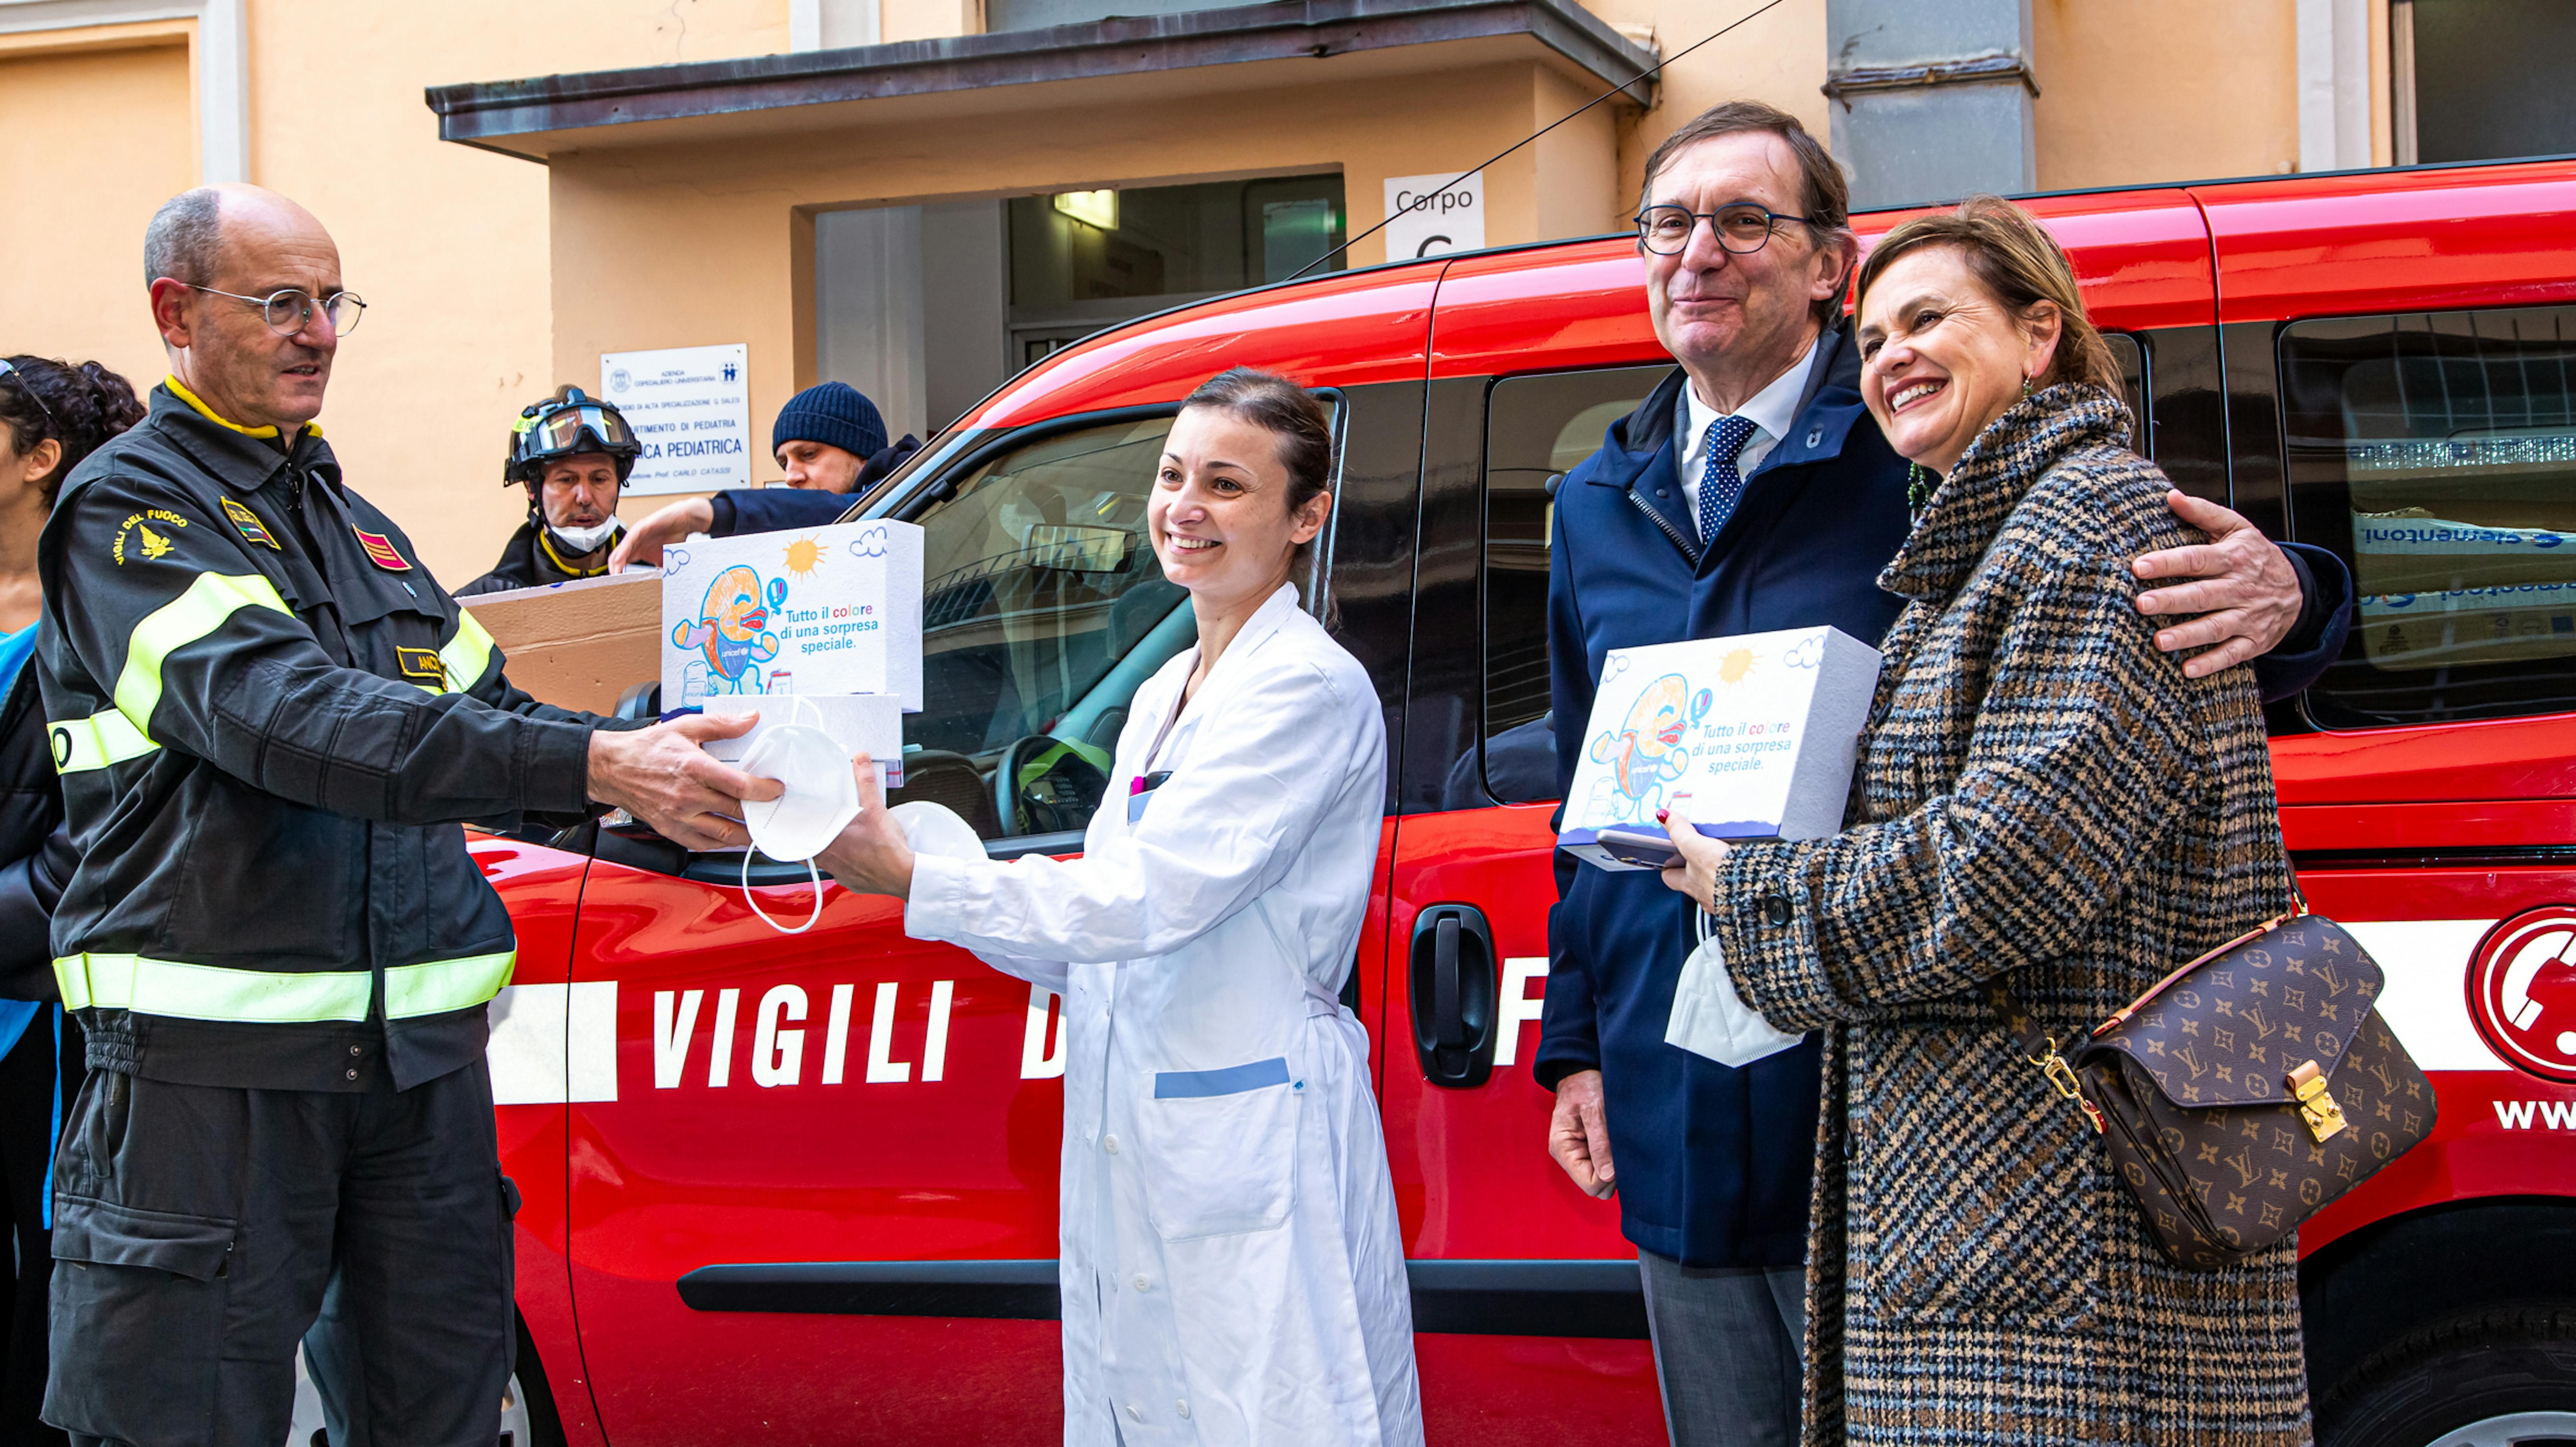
<point x="1749" y="493"/>
<point x="52" y="415"/>
<point x="832" y="443"/>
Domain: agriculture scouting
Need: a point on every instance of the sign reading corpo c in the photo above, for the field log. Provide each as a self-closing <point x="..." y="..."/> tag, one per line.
<point x="2522" y="991"/>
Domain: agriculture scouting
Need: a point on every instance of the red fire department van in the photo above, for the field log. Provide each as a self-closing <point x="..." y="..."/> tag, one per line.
<point x="803" y="1189"/>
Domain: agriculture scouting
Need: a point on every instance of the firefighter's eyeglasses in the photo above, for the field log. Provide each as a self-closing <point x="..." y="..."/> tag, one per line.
<point x="1743" y="228"/>
<point x="290" y="311"/>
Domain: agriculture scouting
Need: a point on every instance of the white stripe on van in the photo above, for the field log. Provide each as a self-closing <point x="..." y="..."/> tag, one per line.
<point x="554" y="1043"/>
<point x="2427" y="999"/>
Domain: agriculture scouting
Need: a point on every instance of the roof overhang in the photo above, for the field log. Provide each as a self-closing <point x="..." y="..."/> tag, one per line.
<point x="814" y="90"/>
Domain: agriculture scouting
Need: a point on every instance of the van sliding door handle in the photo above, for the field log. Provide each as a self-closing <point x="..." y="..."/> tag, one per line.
<point x="1454" y="994"/>
<point x="1450" y="1030"/>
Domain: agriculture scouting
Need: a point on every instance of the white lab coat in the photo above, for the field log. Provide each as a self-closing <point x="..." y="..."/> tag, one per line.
<point x="1231" y="1264"/>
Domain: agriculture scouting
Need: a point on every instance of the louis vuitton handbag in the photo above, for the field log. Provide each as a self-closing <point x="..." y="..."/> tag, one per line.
<point x="2246" y="1091"/>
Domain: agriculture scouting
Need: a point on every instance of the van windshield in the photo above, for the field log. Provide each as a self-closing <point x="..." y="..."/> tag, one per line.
<point x="1043" y="608"/>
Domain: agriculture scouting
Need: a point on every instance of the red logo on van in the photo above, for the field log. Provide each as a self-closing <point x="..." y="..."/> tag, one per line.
<point x="2522" y="991"/>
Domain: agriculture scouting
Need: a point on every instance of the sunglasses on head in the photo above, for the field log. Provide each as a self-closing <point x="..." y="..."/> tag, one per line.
<point x="10" y="371"/>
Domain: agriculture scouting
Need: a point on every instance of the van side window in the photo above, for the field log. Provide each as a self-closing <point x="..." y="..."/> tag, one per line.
<point x="1536" y="430"/>
<point x="1042" y="610"/>
<point x="2131" y="357"/>
<point x="2437" y="453"/>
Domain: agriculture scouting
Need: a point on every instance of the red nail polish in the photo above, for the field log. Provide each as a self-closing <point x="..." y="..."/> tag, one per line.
<point x="1663" y="816"/>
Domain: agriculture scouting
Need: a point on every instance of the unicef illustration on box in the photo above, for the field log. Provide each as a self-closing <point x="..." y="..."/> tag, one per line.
<point x="768" y="614"/>
<point x="731" y="635"/>
<point x="1675" y="727"/>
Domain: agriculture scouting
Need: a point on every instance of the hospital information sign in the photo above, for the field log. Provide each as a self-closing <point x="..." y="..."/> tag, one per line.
<point x="691" y="408"/>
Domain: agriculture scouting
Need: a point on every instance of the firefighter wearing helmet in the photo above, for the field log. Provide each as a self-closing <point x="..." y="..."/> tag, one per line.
<point x="572" y="452"/>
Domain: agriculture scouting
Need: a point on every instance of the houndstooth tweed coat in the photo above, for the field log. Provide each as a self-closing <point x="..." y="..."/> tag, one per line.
<point x="2045" y="795"/>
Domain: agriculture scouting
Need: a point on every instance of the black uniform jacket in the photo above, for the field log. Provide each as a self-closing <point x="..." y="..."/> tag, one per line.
<point x="270" y="722"/>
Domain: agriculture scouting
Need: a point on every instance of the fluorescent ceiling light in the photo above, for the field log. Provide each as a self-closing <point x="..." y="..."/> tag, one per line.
<point x="1096" y="208"/>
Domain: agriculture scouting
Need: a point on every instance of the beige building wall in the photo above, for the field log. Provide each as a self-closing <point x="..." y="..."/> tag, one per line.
<point x="2138" y="91"/>
<point x="1777" y="56"/>
<point x="91" y="141"/>
<point x="695" y="244"/>
<point x="447" y="244"/>
<point x="492" y="278"/>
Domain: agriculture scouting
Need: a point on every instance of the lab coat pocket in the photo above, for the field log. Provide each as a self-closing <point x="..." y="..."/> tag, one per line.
<point x="1220" y="1149"/>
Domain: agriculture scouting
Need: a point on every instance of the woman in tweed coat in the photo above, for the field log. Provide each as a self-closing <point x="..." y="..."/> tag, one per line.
<point x="2040" y="795"/>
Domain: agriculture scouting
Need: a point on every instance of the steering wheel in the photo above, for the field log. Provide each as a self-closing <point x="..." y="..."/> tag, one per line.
<point x="1006" y="781"/>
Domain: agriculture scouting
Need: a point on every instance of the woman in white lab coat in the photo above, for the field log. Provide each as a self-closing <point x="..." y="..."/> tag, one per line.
<point x="1231" y="1265"/>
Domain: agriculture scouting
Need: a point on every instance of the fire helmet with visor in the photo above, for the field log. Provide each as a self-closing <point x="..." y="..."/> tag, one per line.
<point x="568" y="424"/>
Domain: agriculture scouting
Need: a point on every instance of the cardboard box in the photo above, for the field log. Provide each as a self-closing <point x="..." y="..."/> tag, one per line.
<point x="814" y="611"/>
<point x="1759" y="731"/>
<point x="579" y="644"/>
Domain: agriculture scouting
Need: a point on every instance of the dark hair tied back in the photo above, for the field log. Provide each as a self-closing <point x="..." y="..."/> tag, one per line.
<point x="1288" y="412"/>
<point x="82" y="407"/>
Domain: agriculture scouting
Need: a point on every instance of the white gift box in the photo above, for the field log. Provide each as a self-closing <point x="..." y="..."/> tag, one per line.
<point x="870" y="723"/>
<point x="811" y="611"/>
<point x="1758" y="731"/>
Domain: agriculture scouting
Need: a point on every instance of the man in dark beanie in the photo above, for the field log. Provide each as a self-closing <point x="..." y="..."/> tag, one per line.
<point x="832" y="442"/>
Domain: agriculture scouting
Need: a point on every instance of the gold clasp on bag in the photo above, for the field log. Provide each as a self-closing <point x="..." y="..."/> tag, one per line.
<point x="2324" y="1117"/>
<point x="2062" y="1075"/>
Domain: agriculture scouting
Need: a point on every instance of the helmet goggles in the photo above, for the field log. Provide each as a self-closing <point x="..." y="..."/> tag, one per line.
<point x="556" y="429"/>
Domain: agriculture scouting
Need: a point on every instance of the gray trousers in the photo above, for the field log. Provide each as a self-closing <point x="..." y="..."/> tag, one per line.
<point x="1728" y="1343"/>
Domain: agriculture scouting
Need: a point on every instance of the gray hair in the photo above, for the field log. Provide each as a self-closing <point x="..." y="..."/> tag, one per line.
<point x="183" y="238"/>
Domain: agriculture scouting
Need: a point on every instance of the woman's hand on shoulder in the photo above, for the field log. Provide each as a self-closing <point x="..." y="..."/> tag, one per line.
<point x="870" y="856"/>
<point x="1702" y="856"/>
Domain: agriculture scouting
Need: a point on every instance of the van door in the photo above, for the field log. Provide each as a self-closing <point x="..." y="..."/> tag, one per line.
<point x="1528" y="1318"/>
<point x="813" y="1176"/>
<point x="2418" y="417"/>
<point x="2432" y="803"/>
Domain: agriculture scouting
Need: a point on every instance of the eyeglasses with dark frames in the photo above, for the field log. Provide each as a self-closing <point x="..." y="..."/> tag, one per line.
<point x="290" y="309"/>
<point x="1742" y="228"/>
<point x="19" y="377"/>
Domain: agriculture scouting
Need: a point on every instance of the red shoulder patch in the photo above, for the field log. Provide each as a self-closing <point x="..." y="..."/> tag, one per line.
<point x="380" y="549"/>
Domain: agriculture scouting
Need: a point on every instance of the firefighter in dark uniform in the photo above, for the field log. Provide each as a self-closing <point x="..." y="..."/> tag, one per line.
<point x="572" y="453"/>
<point x="270" y="722"/>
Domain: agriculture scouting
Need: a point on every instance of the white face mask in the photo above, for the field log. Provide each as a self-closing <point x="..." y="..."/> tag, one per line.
<point x="819" y="797"/>
<point x="585" y="540"/>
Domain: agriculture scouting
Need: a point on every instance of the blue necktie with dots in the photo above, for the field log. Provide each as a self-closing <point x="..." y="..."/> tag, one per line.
<point x="1721" y="487"/>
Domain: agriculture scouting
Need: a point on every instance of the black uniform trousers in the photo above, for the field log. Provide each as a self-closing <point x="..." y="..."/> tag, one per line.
<point x="38" y="1081"/>
<point x="200" y="1231"/>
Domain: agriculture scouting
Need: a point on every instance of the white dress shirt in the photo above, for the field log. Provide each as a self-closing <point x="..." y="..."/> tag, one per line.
<point x="1771" y="411"/>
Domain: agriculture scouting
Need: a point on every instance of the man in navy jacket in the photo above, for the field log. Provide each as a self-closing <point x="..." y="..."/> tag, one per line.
<point x="1749" y="493"/>
<point x="832" y="442"/>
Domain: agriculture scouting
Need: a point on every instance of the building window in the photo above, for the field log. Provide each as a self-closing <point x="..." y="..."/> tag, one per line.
<point x="2437" y="453"/>
<point x="1084" y="260"/>
<point x="2480" y="80"/>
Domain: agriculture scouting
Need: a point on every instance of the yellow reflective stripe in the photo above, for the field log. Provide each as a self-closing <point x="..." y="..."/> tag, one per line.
<point x="467" y="654"/>
<point x="443" y="985"/>
<point x="96" y="741"/>
<point x="211" y="599"/>
<point x="211" y="992"/>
